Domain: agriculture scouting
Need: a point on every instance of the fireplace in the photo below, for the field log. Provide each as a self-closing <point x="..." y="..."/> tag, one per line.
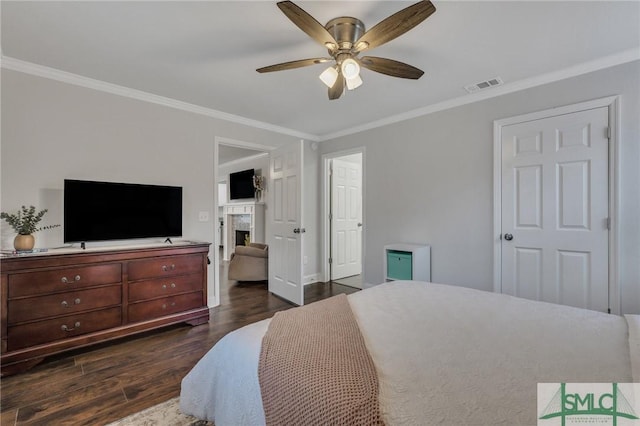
<point x="241" y="237"/>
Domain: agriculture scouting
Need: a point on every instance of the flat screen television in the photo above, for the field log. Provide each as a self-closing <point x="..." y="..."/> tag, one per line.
<point x="241" y="185"/>
<point x="101" y="211"/>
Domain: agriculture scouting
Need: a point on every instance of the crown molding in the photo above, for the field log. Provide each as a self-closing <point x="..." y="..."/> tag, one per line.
<point x="19" y="65"/>
<point x="620" y="58"/>
<point x="576" y="70"/>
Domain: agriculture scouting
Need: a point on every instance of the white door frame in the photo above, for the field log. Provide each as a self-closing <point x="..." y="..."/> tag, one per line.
<point x="217" y="141"/>
<point x="325" y="246"/>
<point x="613" y="103"/>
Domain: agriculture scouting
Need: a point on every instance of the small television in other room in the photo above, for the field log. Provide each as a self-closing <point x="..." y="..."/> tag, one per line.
<point x="241" y="185"/>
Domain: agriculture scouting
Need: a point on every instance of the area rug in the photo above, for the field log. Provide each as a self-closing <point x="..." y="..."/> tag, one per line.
<point x="164" y="414"/>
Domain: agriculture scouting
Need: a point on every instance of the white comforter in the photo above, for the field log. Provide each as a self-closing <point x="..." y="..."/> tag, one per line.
<point x="444" y="355"/>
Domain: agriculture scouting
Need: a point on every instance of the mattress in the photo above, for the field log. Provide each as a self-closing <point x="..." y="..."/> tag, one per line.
<point x="443" y="355"/>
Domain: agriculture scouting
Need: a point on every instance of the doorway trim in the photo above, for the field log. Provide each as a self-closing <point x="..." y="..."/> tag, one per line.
<point x="325" y="204"/>
<point x="217" y="141"/>
<point x="613" y="104"/>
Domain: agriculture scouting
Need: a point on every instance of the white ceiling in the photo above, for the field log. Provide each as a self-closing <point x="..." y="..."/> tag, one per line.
<point x="205" y="53"/>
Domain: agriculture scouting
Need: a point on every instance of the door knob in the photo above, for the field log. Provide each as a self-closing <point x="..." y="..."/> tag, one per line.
<point x="359" y="224"/>
<point x="299" y="231"/>
<point x="508" y="237"/>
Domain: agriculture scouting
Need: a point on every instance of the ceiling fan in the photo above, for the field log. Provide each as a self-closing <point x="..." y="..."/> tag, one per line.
<point x="345" y="37"/>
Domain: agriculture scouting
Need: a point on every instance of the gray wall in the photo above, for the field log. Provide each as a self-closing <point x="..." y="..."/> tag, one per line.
<point x="53" y="130"/>
<point x="427" y="179"/>
<point x="430" y="180"/>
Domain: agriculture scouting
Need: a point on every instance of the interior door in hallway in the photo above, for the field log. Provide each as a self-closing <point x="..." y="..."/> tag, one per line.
<point x="285" y="223"/>
<point x="346" y="215"/>
<point x="555" y="209"/>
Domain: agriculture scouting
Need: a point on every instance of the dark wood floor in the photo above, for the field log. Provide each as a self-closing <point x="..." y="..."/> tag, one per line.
<point x="103" y="384"/>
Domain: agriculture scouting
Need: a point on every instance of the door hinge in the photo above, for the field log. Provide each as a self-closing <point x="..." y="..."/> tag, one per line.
<point x="330" y="216"/>
<point x="608" y="132"/>
<point x="608" y="310"/>
<point x="609" y="223"/>
<point x="330" y="261"/>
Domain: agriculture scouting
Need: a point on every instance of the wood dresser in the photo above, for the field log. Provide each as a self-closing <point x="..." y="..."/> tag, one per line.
<point x="56" y="302"/>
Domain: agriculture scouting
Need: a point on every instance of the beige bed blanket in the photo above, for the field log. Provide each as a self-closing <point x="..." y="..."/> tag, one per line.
<point x="314" y="368"/>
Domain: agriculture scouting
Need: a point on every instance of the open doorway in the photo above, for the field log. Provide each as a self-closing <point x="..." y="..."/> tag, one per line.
<point x="343" y="196"/>
<point x="232" y="156"/>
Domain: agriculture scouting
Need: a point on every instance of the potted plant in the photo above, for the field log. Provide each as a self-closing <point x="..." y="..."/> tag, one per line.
<point x="25" y="223"/>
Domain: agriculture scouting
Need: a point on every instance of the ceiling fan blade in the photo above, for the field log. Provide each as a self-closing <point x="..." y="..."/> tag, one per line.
<point x="308" y="24"/>
<point x="293" y="64"/>
<point x="336" y="90"/>
<point x="391" y="67"/>
<point x="395" y="25"/>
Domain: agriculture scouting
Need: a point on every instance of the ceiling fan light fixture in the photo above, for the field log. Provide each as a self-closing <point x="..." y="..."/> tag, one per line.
<point x="361" y="45"/>
<point x="353" y="83"/>
<point x="331" y="46"/>
<point x="345" y="37"/>
<point x="350" y="69"/>
<point x="329" y="76"/>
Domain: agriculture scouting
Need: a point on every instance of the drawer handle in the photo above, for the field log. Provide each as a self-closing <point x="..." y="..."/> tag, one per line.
<point x="65" y="304"/>
<point x="67" y="329"/>
<point x="165" y="268"/>
<point x="173" y="285"/>
<point x="65" y="280"/>
<point x="164" y="305"/>
<point x="164" y="286"/>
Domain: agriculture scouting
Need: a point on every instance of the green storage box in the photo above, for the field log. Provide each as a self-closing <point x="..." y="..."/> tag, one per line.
<point x="399" y="265"/>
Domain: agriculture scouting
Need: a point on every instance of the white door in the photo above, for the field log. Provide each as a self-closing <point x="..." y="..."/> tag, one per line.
<point x="346" y="218"/>
<point x="555" y="209"/>
<point x="285" y="223"/>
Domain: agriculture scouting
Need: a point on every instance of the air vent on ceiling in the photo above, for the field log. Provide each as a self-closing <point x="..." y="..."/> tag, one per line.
<point x="472" y="88"/>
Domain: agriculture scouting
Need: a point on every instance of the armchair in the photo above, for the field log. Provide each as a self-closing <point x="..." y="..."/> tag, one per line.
<point x="249" y="263"/>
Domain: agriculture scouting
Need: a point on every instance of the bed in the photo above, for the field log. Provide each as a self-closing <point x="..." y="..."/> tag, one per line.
<point x="443" y="355"/>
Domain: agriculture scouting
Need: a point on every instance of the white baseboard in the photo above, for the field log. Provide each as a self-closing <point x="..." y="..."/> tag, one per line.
<point x="310" y="279"/>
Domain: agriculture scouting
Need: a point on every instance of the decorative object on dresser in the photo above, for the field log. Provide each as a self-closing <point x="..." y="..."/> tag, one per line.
<point x="25" y="223"/>
<point x="52" y="302"/>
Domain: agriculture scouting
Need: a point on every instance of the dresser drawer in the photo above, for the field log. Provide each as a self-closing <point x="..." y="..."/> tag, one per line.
<point x="168" y="305"/>
<point x="57" y="304"/>
<point x="22" y="336"/>
<point x="164" y="267"/>
<point x="151" y="289"/>
<point x="54" y="280"/>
